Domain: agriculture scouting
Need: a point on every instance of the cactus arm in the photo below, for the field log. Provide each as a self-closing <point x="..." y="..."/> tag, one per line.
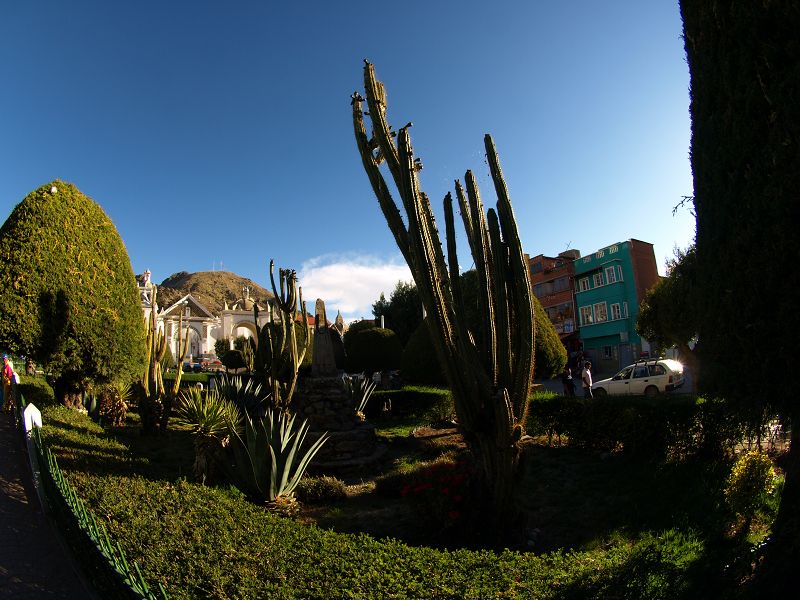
<point x="502" y="321"/>
<point x="524" y="333"/>
<point x="388" y="206"/>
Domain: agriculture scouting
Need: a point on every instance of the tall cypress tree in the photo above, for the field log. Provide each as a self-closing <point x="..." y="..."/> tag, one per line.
<point x="744" y="60"/>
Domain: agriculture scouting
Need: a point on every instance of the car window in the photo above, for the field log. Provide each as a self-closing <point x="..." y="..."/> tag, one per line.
<point x="624" y="374"/>
<point x="657" y="370"/>
<point x="640" y="372"/>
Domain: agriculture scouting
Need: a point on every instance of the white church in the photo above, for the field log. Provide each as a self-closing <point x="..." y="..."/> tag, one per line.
<point x="203" y="327"/>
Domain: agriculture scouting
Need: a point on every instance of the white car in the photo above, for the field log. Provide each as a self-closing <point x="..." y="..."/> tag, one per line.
<point x="642" y="378"/>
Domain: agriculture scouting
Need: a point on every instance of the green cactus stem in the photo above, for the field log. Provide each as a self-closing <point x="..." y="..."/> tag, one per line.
<point x="280" y="345"/>
<point x="489" y="364"/>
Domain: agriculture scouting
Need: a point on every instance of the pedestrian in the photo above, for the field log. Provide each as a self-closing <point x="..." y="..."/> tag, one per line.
<point x="586" y="378"/>
<point x="568" y="382"/>
<point x="7" y="377"/>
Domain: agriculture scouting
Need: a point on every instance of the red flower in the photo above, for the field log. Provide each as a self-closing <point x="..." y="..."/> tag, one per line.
<point x="454" y="515"/>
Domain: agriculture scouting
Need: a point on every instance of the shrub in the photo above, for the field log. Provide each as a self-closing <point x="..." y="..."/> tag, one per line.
<point x="751" y="481"/>
<point x="419" y="364"/>
<point x="439" y="493"/>
<point x="426" y="403"/>
<point x="36" y="391"/>
<point x="69" y="298"/>
<point x="374" y="350"/>
<point x="320" y="490"/>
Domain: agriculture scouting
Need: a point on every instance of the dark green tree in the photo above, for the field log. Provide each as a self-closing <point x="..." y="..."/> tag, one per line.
<point x="420" y="365"/>
<point x="667" y="317"/>
<point x="221" y="346"/>
<point x="374" y="349"/>
<point x="744" y="64"/>
<point x="350" y="335"/>
<point x="402" y="312"/>
<point x="69" y="297"/>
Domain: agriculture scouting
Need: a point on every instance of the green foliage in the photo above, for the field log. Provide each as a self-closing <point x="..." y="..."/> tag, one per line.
<point x="233" y="359"/>
<point x="36" y="391"/>
<point x="352" y="331"/>
<point x="69" y="297"/>
<point x="428" y="404"/>
<point x="373" y="350"/>
<point x="550" y="354"/>
<point x="320" y="490"/>
<point x="745" y="144"/>
<point x="221" y="347"/>
<point x="114" y="399"/>
<point x="419" y="363"/>
<point x="270" y="458"/>
<point x="281" y="344"/>
<point x="248" y="395"/>
<point x="187" y="536"/>
<point x="667" y="315"/>
<point x="667" y="428"/>
<point x="212" y="420"/>
<point x="402" y="312"/>
<point x="751" y="481"/>
<point x="359" y="390"/>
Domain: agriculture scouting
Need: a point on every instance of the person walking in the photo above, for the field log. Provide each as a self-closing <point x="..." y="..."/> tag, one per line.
<point x="7" y="377"/>
<point x="586" y="378"/>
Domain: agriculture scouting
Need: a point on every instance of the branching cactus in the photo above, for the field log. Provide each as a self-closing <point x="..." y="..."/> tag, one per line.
<point x="281" y="343"/>
<point x="182" y="348"/>
<point x="152" y="407"/>
<point x="489" y="364"/>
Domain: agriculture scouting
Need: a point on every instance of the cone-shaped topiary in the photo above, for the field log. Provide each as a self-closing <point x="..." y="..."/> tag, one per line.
<point x="69" y="297"/>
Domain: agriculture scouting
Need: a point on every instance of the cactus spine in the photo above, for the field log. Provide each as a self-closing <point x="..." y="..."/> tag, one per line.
<point x="277" y="352"/>
<point x="489" y="364"/>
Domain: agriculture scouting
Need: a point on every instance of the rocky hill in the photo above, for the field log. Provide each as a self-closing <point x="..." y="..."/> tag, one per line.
<point x="211" y="288"/>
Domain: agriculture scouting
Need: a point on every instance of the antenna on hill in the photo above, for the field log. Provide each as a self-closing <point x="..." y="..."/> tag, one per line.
<point x="569" y="243"/>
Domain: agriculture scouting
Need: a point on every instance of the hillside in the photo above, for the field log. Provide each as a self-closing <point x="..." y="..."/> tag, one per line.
<point x="211" y="288"/>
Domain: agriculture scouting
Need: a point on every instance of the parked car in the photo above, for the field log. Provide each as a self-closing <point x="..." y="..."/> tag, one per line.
<point x="643" y="378"/>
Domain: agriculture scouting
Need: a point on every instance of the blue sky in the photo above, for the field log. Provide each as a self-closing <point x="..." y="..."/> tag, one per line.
<point x="218" y="134"/>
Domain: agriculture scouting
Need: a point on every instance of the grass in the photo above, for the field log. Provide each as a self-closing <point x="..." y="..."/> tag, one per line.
<point x="604" y="525"/>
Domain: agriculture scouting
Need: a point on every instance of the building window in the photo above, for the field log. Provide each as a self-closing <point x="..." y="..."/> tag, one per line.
<point x="613" y="249"/>
<point x="607" y="353"/>
<point x="583" y="284"/>
<point x="598" y="279"/>
<point x="611" y="274"/>
<point x="536" y="267"/>
<point x="616" y="312"/>
<point x="600" y="253"/>
<point x="561" y="284"/>
<point x="600" y="312"/>
<point x="586" y="315"/>
<point x="619" y="273"/>
<point x="586" y="259"/>
<point x="624" y="310"/>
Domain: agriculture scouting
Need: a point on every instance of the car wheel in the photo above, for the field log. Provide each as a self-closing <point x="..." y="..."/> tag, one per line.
<point x="651" y="391"/>
<point x="600" y="392"/>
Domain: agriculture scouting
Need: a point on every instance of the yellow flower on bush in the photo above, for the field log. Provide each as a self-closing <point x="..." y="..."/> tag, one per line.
<point x="750" y="482"/>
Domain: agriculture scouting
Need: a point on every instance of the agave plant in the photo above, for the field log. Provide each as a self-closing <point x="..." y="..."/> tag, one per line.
<point x="250" y="397"/>
<point x="114" y="403"/>
<point x="359" y="389"/>
<point x="269" y="457"/>
<point x="213" y="421"/>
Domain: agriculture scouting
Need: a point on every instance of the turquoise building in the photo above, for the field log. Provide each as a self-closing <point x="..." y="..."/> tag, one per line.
<point x="609" y="285"/>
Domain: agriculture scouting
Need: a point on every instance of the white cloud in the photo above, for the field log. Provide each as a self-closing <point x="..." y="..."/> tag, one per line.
<point x="350" y="283"/>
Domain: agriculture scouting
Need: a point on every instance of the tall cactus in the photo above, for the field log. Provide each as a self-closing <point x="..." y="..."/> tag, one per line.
<point x="277" y="352"/>
<point x="151" y="406"/>
<point x="489" y="364"/>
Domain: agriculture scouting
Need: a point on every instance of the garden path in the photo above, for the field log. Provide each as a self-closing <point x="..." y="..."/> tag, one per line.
<point x="33" y="562"/>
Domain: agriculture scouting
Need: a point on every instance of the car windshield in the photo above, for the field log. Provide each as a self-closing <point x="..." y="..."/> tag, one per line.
<point x="624" y="374"/>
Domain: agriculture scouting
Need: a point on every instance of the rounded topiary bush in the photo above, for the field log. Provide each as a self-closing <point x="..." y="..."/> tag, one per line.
<point x="750" y="483"/>
<point x="419" y="364"/>
<point x="374" y="349"/>
<point x="69" y="298"/>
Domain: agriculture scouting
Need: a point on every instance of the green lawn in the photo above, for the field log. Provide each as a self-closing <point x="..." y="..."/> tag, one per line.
<point x="602" y="525"/>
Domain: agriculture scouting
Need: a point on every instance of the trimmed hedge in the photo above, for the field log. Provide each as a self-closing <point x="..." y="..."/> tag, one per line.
<point x="36" y="391"/>
<point x="435" y="404"/>
<point x="663" y="427"/>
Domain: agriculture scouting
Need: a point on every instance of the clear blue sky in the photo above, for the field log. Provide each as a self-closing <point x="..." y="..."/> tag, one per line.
<point x="218" y="134"/>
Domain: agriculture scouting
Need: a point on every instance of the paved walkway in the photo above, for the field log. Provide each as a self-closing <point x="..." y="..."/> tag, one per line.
<point x="33" y="563"/>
